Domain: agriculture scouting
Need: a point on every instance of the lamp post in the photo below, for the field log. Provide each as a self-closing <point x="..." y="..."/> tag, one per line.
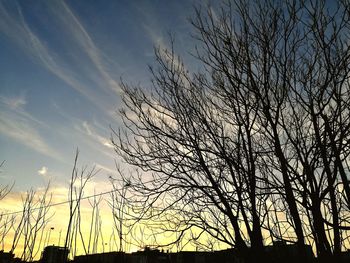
<point x="48" y="240"/>
<point x="59" y="239"/>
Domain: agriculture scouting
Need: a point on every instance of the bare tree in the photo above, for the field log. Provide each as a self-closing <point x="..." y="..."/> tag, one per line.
<point x="6" y="221"/>
<point x="78" y="181"/>
<point x="95" y="225"/>
<point x="118" y="205"/>
<point x="30" y="226"/>
<point x="129" y="227"/>
<point x="261" y="135"/>
<point x="4" y="189"/>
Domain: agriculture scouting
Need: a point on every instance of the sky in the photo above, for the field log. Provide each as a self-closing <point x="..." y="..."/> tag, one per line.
<point x="60" y="70"/>
<point x="61" y="63"/>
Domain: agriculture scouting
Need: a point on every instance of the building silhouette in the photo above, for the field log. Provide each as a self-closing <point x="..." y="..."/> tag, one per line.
<point x="54" y="254"/>
<point x="279" y="252"/>
<point x="6" y="257"/>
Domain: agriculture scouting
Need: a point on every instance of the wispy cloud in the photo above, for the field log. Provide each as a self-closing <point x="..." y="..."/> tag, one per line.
<point x="97" y="137"/>
<point x="91" y="134"/>
<point x="20" y="130"/>
<point x="20" y="126"/>
<point x="15" y="103"/>
<point x="92" y="130"/>
<point x="14" y="25"/>
<point x="83" y="38"/>
<point x="106" y="169"/>
<point x="94" y="139"/>
<point x="160" y="40"/>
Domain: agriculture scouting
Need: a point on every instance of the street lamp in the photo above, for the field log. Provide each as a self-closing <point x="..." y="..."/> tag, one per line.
<point x="48" y="240"/>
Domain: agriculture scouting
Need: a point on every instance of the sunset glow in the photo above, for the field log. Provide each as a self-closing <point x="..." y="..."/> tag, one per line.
<point x="174" y="131"/>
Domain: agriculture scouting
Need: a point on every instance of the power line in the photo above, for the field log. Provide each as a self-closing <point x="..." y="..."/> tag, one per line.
<point x="60" y="203"/>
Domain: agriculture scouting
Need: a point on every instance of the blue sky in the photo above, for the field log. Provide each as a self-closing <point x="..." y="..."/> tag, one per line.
<point x="60" y="68"/>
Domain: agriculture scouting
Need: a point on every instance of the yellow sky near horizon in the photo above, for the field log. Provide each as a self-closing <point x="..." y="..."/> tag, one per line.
<point x="58" y="216"/>
<point x="55" y="228"/>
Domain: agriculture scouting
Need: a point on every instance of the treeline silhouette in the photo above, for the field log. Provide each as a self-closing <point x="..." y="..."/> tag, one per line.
<point x="28" y="231"/>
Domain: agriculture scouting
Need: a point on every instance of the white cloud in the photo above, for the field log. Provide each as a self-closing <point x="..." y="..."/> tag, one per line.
<point x="43" y="171"/>
<point x="108" y="144"/>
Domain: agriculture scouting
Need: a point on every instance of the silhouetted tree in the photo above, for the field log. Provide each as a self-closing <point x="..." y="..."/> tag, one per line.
<point x="130" y="231"/>
<point x="78" y="181"/>
<point x="6" y="221"/>
<point x="29" y="227"/>
<point x="261" y="134"/>
<point x="95" y="225"/>
<point x="4" y="189"/>
<point x="118" y="205"/>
